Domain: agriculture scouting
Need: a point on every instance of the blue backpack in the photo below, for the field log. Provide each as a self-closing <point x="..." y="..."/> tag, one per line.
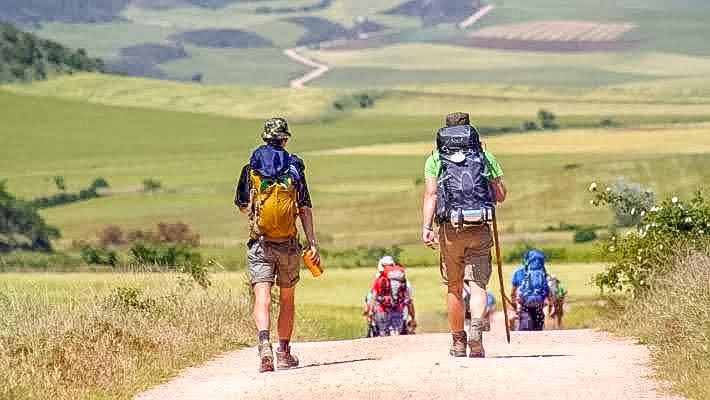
<point x="463" y="194"/>
<point x="534" y="290"/>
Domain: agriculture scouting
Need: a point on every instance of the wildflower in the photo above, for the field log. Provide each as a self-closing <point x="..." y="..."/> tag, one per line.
<point x="701" y="231"/>
<point x="688" y="220"/>
<point x="633" y="211"/>
<point x="593" y="202"/>
<point x="639" y="258"/>
<point x="608" y="189"/>
<point x="642" y="213"/>
<point x="613" y="238"/>
<point x="611" y="248"/>
<point x="655" y="209"/>
<point x="660" y="247"/>
<point x="674" y="200"/>
<point x="593" y="187"/>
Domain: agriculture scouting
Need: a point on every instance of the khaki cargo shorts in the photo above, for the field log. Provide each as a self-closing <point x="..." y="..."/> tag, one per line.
<point x="465" y="254"/>
<point x="274" y="261"/>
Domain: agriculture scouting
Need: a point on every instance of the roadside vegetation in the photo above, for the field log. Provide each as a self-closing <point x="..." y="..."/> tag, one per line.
<point x="662" y="266"/>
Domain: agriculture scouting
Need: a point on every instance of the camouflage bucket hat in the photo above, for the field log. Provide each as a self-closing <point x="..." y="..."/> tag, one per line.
<point x="458" y="118"/>
<point x="275" y="128"/>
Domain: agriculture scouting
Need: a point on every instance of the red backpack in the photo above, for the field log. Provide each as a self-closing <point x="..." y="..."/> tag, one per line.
<point x="393" y="288"/>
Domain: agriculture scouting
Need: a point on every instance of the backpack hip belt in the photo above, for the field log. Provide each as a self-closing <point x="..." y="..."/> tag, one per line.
<point x="463" y="218"/>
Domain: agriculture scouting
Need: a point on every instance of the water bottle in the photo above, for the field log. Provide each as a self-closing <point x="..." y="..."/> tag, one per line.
<point x="315" y="269"/>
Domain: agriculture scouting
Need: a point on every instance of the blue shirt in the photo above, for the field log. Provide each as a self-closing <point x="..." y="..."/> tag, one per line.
<point x="518" y="277"/>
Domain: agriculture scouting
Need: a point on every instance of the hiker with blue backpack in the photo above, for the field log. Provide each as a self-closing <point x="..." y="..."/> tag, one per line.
<point x="531" y="292"/>
<point x="272" y="191"/>
<point x="462" y="184"/>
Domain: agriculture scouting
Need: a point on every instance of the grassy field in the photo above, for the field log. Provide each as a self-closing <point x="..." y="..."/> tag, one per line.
<point x="108" y="336"/>
<point x="197" y="156"/>
<point x="668" y="42"/>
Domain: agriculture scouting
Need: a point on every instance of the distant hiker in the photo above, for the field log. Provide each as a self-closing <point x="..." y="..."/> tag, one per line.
<point x="462" y="184"/>
<point x="272" y="191"/>
<point x="558" y="298"/>
<point x="490" y="307"/>
<point x="530" y="291"/>
<point x="392" y="301"/>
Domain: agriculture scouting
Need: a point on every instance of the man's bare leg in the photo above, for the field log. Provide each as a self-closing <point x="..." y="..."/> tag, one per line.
<point x="286" y="312"/>
<point x="262" y="306"/>
<point x="262" y="318"/>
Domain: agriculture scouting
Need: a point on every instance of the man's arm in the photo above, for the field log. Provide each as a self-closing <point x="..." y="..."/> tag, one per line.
<point x="306" y="216"/>
<point x="242" y="195"/>
<point x="428" y="235"/>
<point x="499" y="190"/>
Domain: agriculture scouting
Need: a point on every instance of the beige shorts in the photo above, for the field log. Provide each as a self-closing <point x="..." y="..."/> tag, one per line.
<point x="274" y="262"/>
<point x="465" y="254"/>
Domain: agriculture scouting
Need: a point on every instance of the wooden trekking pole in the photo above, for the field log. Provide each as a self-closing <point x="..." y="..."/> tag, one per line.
<point x="500" y="275"/>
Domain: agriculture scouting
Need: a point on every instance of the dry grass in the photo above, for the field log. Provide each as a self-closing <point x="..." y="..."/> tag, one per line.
<point x="674" y="319"/>
<point x="111" y="344"/>
<point x="684" y="139"/>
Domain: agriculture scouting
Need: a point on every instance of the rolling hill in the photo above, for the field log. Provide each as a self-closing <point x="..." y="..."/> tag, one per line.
<point x="26" y="57"/>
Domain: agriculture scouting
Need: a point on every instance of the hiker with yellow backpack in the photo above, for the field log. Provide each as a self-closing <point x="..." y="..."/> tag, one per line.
<point x="272" y="191"/>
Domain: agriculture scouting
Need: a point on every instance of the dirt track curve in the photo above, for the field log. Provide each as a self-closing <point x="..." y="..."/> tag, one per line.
<point x="574" y="364"/>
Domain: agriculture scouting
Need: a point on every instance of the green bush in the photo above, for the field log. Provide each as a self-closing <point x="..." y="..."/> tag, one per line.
<point x="151" y="185"/>
<point x="529" y="126"/>
<point x="361" y="256"/>
<point x="99" y="255"/>
<point x="661" y="232"/>
<point x="21" y="226"/>
<point x="152" y="254"/>
<point x="516" y="253"/>
<point x="59" y="199"/>
<point x="38" y="260"/>
<point x="584" y="236"/>
<point x="547" y="119"/>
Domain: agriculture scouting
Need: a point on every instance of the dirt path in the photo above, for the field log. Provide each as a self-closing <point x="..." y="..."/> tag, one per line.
<point x="475" y="17"/>
<point x="319" y="69"/>
<point x="575" y="364"/>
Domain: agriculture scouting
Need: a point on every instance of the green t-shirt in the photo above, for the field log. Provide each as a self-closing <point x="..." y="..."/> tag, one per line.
<point x="432" y="166"/>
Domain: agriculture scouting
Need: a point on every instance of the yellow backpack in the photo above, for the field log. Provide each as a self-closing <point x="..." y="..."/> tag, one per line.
<point x="274" y="207"/>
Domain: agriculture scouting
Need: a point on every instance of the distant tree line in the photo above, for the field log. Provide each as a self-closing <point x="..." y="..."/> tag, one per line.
<point x="25" y="57"/>
<point x="58" y="199"/>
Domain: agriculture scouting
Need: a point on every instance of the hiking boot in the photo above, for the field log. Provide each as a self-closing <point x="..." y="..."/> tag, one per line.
<point x="475" y="339"/>
<point x="286" y="360"/>
<point x="267" y="357"/>
<point x="458" y="348"/>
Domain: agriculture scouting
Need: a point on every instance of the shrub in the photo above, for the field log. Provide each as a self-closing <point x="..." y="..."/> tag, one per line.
<point x="547" y="119"/>
<point x="584" y="236"/>
<point x="361" y="256"/>
<point x="59" y="183"/>
<point x="607" y="122"/>
<point x="99" y="255"/>
<point x="65" y="198"/>
<point x="151" y="185"/>
<point x="515" y="255"/>
<point x="177" y="233"/>
<point x="111" y="235"/>
<point x="661" y="231"/>
<point x="627" y="201"/>
<point x="21" y="226"/>
<point x="36" y="260"/>
<point x="529" y="126"/>
<point x="164" y="255"/>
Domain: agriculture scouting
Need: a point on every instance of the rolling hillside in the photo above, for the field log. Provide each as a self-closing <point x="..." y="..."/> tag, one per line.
<point x="25" y="57"/>
<point x="581" y="43"/>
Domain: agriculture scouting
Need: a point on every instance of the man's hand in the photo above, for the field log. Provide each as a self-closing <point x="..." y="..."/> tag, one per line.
<point x="429" y="238"/>
<point x="315" y="255"/>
